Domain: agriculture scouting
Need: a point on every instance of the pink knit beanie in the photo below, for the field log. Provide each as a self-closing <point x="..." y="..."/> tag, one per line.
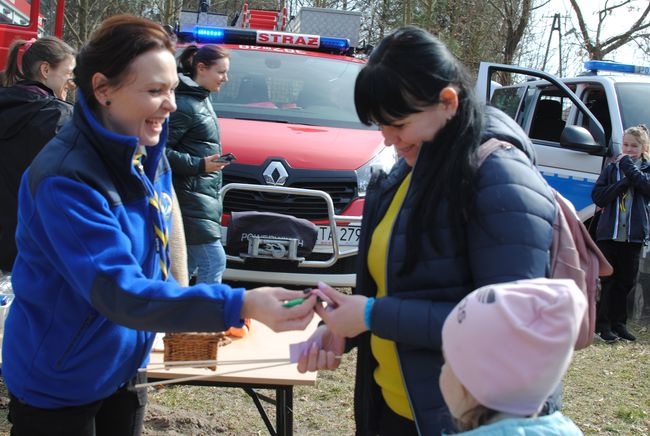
<point x="510" y="344"/>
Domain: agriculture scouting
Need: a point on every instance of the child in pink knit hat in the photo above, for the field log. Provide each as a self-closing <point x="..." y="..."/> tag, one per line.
<point x="506" y="347"/>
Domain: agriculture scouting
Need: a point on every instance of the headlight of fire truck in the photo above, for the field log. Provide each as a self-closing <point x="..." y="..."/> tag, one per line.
<point x="383" y="161"/>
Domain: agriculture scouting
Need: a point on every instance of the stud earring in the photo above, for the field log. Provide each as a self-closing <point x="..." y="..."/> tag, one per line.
<point x="108" y="102"/>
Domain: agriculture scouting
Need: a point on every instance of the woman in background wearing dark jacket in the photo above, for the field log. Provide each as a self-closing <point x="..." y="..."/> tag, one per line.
<point x="433" y="229"/>
<point x="193" y="146"/>
<point x="623" y="191"/>
<point x="32" y="109"/>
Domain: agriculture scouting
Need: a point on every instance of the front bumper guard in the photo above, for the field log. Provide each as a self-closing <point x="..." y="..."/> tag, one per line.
<point x="285" y="249"/>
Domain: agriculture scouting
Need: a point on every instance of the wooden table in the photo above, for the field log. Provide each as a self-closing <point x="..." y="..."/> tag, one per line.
<point x="260" y="360"/>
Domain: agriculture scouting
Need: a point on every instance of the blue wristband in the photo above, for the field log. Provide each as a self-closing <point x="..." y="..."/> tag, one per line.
<point x="368" y="312"/>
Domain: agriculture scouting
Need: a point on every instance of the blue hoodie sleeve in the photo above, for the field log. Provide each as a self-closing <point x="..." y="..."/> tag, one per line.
<point x="92" y="249"/>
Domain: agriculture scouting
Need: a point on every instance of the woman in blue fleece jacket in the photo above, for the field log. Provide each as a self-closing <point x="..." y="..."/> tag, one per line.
<point x="433" y="229"/>
<point x="91" y="278"/>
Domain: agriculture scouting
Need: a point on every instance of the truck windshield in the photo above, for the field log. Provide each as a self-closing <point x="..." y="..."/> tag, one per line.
<point x="633" y="101"/>
<point x="281" y="87"/>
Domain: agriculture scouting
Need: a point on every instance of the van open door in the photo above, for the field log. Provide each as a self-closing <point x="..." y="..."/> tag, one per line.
<point x="571" y="137"/>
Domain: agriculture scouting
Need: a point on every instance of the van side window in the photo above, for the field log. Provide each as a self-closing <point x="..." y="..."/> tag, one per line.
<point x="596" y="101"/>
<point x="548" y="122"/>
<point x="508" y="99"/>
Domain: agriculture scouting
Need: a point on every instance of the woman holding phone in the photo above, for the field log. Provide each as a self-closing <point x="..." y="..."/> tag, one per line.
<point x="194" y="153"/>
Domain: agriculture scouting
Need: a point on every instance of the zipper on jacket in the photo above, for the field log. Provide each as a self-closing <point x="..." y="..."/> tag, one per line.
<point x="87" y="322"/>
<point x="629" y="216"/>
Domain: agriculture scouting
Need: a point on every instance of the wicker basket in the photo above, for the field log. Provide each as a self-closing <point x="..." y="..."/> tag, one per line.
<point x="193" y="346"/>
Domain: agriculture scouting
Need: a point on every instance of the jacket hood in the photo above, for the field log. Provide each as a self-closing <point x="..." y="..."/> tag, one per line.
<point x="187" y="86"/>
<point x="497" y="124"/>
<point x="20" y="103"/>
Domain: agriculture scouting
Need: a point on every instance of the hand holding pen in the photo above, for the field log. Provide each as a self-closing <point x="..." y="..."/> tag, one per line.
<point x="265" y="304"/>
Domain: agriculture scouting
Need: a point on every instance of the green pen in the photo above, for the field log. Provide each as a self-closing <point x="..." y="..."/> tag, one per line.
<point x="293" y="302"/>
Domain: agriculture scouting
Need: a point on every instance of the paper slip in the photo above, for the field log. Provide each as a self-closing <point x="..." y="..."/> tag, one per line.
<point x="296" y="350"/>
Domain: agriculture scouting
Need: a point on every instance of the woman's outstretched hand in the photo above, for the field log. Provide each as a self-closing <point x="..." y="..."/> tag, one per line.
<point x="265" y="304"/>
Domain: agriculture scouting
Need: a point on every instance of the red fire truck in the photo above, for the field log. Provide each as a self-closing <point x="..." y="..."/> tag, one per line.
<point x="287" y="112"/>
<point x="23" y="19"/>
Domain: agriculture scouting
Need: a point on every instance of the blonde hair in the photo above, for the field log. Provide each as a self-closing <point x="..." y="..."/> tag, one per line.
<point x="642" y="135"/>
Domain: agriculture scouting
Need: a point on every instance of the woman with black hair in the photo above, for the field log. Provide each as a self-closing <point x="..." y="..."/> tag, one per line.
<point x="435" y="228"/>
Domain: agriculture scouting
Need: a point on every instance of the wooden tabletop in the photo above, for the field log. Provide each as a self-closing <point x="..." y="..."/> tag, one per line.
<point x="261" y="357"/>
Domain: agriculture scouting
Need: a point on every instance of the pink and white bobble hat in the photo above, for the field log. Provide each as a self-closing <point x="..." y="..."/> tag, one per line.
<point x="510" y="344"/>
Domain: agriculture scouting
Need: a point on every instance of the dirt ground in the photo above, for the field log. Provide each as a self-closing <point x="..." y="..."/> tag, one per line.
<point x="161" y="420"/>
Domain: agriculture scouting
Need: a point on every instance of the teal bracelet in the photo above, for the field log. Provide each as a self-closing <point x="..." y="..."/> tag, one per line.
<point x="368" y="312"/>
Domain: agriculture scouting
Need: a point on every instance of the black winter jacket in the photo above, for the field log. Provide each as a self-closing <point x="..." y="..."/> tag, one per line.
<point x="194" y="134"/>
<point x="510" y="241"/>
<point x="610" y="185"/>
<point x="31" y="115"/>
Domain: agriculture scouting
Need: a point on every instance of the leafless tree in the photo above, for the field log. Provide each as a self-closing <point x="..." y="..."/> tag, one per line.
<point x="596" y="45"/>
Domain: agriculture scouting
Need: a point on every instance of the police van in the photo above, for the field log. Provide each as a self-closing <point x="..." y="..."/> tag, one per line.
<point x="576" y="124"/>
<point x="287" y="114"/>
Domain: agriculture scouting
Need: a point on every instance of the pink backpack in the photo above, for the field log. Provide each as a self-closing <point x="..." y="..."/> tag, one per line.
<point x="574" y="255"/>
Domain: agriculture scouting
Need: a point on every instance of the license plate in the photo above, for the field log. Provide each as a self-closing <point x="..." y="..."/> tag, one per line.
<point x="347" y="235"/>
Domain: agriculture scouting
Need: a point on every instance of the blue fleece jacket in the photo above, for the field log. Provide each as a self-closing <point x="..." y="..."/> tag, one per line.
<point x="88" y="284"/>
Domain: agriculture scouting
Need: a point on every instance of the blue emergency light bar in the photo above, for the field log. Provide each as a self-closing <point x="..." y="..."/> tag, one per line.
<point x="341" y="44"/>
<point x="226" y="35"/>
<point x="616" y="67"/>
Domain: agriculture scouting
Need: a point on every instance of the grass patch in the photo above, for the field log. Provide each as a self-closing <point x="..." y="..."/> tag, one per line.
<point x="607" y="387"/>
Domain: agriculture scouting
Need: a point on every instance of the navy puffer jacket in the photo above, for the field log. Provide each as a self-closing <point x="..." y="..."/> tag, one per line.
<point x="510" y="241"/>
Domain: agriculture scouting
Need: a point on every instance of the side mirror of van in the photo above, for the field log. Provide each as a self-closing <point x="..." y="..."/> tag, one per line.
<point x="578" y="138"/>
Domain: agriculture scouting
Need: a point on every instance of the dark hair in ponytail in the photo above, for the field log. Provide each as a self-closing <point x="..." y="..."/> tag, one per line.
<point x="185" y="59"/>
<point x="207" y="55"/>
<point x="46" y="49"/>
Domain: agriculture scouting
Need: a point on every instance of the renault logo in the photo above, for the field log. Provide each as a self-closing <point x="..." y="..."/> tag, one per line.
<point x="275" y="174"/>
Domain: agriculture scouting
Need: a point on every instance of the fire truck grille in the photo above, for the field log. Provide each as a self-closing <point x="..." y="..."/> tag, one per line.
<point x="311" y="208"/>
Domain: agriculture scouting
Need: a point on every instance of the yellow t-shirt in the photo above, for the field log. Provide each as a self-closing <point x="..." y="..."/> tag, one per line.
<point x="388" y="374"/>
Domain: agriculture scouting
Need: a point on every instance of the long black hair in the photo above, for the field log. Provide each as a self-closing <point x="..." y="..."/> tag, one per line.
<point x="404" y="75"/>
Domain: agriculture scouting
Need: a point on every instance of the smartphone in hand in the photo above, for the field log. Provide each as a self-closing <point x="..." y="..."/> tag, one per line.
<point x="225" y="158"/>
